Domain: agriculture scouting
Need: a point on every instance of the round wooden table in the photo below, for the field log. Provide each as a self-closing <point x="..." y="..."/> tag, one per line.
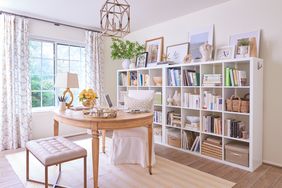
<point x="122" y="121"/>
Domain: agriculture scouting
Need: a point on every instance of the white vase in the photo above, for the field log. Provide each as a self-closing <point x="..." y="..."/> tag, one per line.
<point x="206" y="51"/>
<point x="132" y="65"/>
<point x="176" y="98"/>
<point x="243" y="50"/>
<point x="126" y="63"/>
<point x="62" y="106"/>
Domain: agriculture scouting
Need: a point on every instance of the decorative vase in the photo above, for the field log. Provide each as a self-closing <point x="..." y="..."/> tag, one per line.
<point x="126" y="63"/>
<point x="88" y="103"/>
<point x="62" y="106"/>
<point x="176" y="98"/>
<point x="170" y="100"/>
<point x="243" y="50"/>
<point x="206" y="51"/>
<point x="132" y="65"/>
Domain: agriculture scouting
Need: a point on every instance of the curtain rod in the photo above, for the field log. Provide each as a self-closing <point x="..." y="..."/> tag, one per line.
<point x="49" y="21"/>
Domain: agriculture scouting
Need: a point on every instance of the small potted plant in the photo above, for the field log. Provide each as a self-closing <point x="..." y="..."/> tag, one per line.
<point x="126" y="51"/>
<point x="243" y="46"/>
<point x="62" y="103"/>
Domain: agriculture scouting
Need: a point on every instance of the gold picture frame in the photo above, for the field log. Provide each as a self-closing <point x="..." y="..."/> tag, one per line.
<point x="154" y="47"/>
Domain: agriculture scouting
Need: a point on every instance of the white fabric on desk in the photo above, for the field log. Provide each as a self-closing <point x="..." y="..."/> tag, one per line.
<point x="130" y="146"/>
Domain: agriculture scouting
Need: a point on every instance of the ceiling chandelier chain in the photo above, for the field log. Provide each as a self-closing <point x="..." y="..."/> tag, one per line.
<point x="115" y="18"/>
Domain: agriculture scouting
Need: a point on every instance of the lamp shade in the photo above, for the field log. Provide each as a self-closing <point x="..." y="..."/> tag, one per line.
<point x="66" y="80"/>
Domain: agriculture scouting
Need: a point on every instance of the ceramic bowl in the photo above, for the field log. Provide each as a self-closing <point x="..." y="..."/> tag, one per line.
<point x="193" y="119"/>
<point x="157" y="80"/>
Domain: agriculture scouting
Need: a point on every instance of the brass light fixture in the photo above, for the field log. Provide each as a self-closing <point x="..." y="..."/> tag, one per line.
<point x="115" y="18"/>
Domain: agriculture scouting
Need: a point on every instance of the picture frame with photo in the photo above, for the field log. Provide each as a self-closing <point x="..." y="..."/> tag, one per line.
<point x="252" y="37"/>
<point x="141" y="60"/>
<point x="197" y="38"/>
<point x="225" y="52"/>
<point x="154" y="47"/>
<point x="176" y="53"/>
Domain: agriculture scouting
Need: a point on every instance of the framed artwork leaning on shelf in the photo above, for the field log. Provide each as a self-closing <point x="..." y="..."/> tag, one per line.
<point x="225" y="52"/>
<point x="154" y="47"/>
<point x="177" y="52"/>
<point x="141" y="60"/>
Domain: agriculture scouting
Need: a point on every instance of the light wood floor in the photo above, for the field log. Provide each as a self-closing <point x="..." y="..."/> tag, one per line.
<point x="265" y="176"/>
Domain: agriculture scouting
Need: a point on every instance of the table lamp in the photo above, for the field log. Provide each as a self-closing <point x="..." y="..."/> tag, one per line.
<point x="67" y="80"/>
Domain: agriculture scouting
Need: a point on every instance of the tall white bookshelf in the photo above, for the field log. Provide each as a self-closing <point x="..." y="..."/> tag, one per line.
<point x="253" y="120"/>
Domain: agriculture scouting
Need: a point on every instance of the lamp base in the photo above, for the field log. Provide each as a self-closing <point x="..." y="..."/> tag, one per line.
<point x="68" y="91"/>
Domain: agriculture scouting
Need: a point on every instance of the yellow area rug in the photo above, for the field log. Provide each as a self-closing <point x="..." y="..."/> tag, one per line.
<point x="166" y="173"/>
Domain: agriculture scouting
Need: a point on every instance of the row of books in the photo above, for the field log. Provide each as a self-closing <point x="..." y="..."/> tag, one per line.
<point x="173" y="78"/>
<point x="212" y="124"/>
<point x="123" y="79"/>
<point x="191" y="78"/>
<point x="144" y="80"/>
<point x="158" y="98"/>
<point x="132" y="79"/>
<point x="212" y="101"/>
<point x="235" y="129"/>
<point x="212" y="147"/>
<point x="191" y="141"/>
<point x="158" y="117"/>
<point x="191" y="100"/>
<point x="212" y="80"/>
<point x="234" y="77"/>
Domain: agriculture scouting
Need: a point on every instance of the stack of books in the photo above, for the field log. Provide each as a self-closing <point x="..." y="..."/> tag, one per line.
<point x="173" y="78"/>
<point x="158" y="98"/>
<point x="158" y="117"/>
<point x="191" y="100"/>
<point x="144" y="79"/>
<point x="212" y="124"/>
<point x="234" y="128"/>
<point x="234" y="77"/>
<point x="191" y="78"/>
<point x="212" y="80"/>
<point x="212" y="147"/>
<point x="123" y="79"/>
<point x="191" y="141"/>
<point x="174" y="119"/>
<point x="212" y="101"/>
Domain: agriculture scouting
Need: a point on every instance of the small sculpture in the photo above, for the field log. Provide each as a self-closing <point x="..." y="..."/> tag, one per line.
<point x="206" y="51"/>
<point x="170" y="100"/>
<point x="176" y="98"/>
<point x="187" y="58"/>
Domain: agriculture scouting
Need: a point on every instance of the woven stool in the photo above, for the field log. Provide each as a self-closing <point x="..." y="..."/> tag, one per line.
<point x="54" y="151"/>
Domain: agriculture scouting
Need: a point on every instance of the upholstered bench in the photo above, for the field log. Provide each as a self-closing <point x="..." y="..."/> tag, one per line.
<point x="54" y="151"/>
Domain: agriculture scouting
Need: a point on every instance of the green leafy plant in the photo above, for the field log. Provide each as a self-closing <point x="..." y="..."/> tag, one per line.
<point x="125" y="49"/>
<point x="243" y="42"/>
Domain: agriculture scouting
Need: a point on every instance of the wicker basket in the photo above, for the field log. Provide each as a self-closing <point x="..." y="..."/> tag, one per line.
<point x="233" y="104"/>
<point x="245" y="104"/>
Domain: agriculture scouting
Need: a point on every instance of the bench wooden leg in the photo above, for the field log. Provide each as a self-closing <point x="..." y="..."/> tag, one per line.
<point x="46" y="176"/>
<point x="27" y="164"/>
<point x="85" y="172"/>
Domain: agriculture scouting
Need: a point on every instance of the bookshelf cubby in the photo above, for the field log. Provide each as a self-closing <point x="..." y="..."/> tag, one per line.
<point x="203" y="104"/>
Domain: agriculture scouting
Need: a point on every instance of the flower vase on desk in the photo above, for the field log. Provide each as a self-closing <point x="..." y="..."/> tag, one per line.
<point x="62" y="106"/>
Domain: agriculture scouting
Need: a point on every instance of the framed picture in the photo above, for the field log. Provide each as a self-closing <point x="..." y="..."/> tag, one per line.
<point x="141" y="60"/>
<point x="154" y="47"/>
<point x="254" y="42"/>
<point x="177" y="52"/>
<point x="197" y="38"/>
<point x="226" y="52"/>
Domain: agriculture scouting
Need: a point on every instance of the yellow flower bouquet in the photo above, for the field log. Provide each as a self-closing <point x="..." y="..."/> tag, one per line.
<point x="88" y="97"/>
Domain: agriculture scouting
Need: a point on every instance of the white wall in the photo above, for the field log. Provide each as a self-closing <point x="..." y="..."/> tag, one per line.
<point x="42" y="122"/>
<point x="236" y="16"/>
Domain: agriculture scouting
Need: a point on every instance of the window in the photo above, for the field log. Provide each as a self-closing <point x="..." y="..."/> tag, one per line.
<point x="46" y="60"/>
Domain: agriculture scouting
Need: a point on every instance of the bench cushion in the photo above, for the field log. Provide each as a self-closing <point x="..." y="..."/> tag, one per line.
<point x="55" y="150"/>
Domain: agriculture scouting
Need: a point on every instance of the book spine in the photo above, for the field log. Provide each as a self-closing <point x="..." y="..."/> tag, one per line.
<point x="227" y="77"/>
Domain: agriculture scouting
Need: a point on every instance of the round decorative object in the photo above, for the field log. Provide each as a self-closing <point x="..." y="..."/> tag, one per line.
<point x="126" y="63"/>
<point x="157" y="80"/>
<point x="88" y="103"/>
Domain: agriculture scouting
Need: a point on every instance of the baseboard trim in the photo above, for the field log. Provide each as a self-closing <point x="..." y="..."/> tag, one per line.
<point x="272" y="163"/>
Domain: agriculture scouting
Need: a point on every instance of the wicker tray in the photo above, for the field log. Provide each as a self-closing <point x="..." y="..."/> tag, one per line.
<point x="101" y="113"/>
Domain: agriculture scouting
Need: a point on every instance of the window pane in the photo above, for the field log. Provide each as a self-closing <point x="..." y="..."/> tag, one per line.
<point x="48" y="99"/>
<point x="82" y="54"/>
<point x="35" y="82"/>
<point x="35" y="66"/>
<point x="62" y="66"/>
<point x="47" y="50"/>
<point x="74" y="53"/>
<point x="47" y="67"/>
<point x="47" y="82"/>
<point x="63" y="52"/>
<point x="36" y="99"/>
<point x="35" y="49"/>
<point x="75" y="67"/>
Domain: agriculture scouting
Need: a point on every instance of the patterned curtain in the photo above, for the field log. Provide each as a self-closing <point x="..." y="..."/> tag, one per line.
<point x="15" y="91"/>
<point x="94" y="63"/>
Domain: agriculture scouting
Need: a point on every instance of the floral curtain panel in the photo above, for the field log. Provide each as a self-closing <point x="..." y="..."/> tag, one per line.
<point x="94" y="63"/>
<point x="15" y="91"/>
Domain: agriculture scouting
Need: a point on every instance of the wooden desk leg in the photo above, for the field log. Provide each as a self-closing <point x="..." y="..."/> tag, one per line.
<point x="104" y="140"/>
<point x="95" y="156"/>
<point x="150" y="143"/>
<point x="56" y="128"/>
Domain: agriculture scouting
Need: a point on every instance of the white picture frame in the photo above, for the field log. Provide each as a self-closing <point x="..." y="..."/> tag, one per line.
<point x="225" y="52"/>
<point x="198" y="37"/>
<point x="233" y="41"/>
<point x="177" y="52"/>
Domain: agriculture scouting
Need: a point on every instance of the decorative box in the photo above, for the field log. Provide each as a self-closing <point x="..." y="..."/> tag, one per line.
<point x="237" y="153"/>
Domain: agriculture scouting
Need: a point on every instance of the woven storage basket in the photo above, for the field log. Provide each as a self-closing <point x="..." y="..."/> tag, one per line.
<point x="245" y="104"/>
<point x="233" y="104"/>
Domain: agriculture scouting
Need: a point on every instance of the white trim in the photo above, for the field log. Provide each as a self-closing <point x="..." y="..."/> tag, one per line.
<point x="57" y="41"/>
<point x="272" y="163"/>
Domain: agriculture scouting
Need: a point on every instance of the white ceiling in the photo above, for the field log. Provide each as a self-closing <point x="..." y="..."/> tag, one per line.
<point x="86" y="13"/>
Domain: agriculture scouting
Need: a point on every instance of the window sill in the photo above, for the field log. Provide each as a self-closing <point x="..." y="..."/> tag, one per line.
<point x="43" y="109"/>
